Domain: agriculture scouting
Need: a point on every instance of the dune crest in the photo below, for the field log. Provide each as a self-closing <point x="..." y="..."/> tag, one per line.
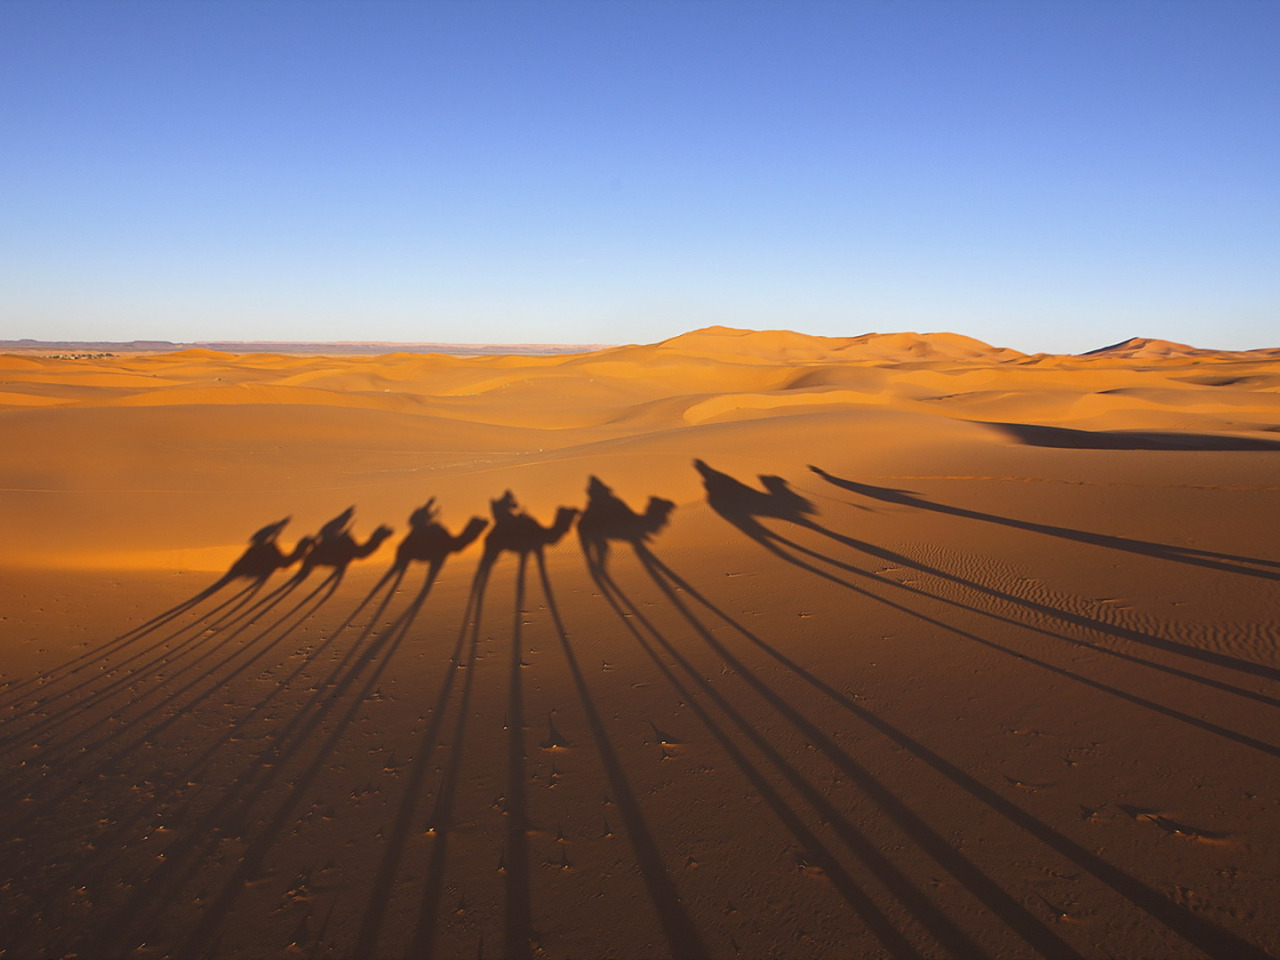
<point x="785" y="345"/>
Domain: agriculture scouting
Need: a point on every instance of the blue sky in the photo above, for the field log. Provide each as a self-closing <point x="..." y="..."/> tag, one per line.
<point x="1040" y="175"/>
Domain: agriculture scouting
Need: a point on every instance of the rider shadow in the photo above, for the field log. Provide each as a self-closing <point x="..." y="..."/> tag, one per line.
<point x="1229" y="562"/>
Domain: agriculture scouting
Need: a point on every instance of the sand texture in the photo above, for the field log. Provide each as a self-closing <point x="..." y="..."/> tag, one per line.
<point x="780" y="646"/>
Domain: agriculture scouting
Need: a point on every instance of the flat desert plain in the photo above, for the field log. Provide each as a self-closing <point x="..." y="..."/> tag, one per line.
<point x="759" y="645"/>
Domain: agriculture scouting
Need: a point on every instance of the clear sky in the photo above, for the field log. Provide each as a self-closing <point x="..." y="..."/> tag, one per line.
<point x="1040" y="175"/>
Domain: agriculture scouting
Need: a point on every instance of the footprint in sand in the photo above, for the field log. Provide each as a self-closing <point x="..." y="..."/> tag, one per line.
<point x="1174" y="828"/>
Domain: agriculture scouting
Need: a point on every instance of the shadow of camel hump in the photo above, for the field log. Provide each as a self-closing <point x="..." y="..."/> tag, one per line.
<point x="741" y="504"/>
<point x="606" y="518"/>
<point x="520" y="533"/>
<point x="264" y="557"/>
<point x="429" y="541"/>
<point x="256" y="564"/>
<point x="336" y="548"/>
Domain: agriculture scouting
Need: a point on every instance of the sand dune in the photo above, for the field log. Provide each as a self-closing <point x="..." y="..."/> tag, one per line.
<point x="895" y="645"/>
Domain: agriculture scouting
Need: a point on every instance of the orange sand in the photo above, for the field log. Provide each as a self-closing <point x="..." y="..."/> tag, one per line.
<point x="944" y="651"/>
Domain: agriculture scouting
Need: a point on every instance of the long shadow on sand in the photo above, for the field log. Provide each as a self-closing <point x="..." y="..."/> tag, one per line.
<point x="513" y="531"/>
<point x="185" y="855"/>
<point x="608" y="518"/>
<point x="946" y="932"/>
<point x="334" y="549"/>
<point x="742" y="505"/>
<point x="211" y="652"/>
<point x="1228" y="562"/>
<point x="259" y="561"/>
<point x="518" y="533"/>
<point x="428" y="541"/>
<point x="1037" y="435"/>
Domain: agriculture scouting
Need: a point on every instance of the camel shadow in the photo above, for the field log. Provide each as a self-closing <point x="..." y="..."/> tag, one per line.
<point x="256" y="564"/>
<point x="512" y="531"/>
<point x="518" y="533"/>
<point x="335" y="548"/>
<point x="213" y="654"/>
<point x="260" y="560"/>
<point x="430" y="542"/>
<point x="608" y="518"/>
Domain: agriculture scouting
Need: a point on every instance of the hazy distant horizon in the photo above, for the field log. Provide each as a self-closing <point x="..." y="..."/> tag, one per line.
<point x="376" y="347"/>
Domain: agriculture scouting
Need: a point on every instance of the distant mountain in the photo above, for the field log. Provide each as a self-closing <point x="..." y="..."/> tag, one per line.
<point x="338" y="348"/>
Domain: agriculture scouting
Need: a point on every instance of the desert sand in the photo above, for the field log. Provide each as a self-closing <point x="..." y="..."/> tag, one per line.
<point x="889" y="646"/>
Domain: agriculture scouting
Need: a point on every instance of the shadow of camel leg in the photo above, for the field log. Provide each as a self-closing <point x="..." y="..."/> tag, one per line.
<point x="677" y="927"/>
